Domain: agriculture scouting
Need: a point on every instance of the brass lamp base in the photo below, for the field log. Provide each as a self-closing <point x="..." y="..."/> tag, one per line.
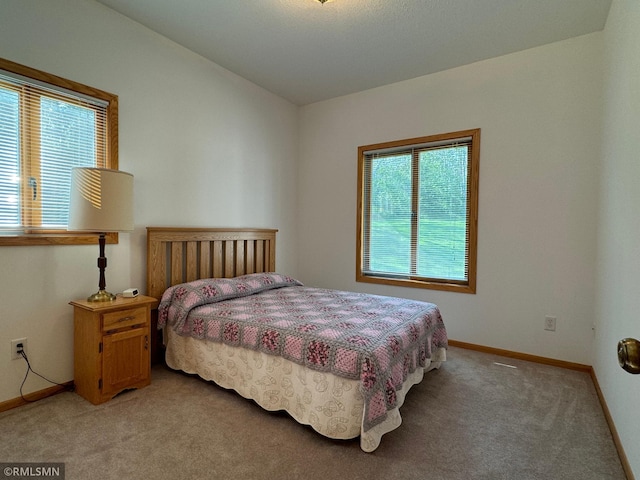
<point x="101" y="296"/>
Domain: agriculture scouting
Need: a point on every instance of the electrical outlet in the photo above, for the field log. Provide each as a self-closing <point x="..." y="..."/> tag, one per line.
<point x="550" y="323"/>
<point x="15" y="351"/>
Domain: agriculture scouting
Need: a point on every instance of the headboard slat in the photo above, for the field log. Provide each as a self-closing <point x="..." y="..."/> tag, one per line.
<point x="240" y="259"/>
<point x="228" y="259"/>
<point x="156" y="263"/>
<point x="260" y="260"/>
<point x="192" y="261"/>
<point x="205" y="259"/>
<point x="218" y="262"/>
<point x="250" y="259"/>
<point x="177" y="262"/>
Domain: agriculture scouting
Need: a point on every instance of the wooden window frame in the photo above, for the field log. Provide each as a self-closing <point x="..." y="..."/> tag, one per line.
<point x="468" y="286"/>
<point x="57" y="237"/>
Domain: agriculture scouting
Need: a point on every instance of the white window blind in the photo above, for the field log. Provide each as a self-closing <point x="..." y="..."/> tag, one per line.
<point x="9" y="158"/>
<point x="45" y="131"/>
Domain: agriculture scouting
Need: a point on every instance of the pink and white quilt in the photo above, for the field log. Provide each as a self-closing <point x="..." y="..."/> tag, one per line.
<point x="375" y="339"/>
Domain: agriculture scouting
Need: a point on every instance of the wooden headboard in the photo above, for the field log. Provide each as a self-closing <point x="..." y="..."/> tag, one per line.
<point x="178" y="255"/>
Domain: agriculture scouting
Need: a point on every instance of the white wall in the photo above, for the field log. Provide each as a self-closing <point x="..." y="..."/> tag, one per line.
<point x="539" y="111"/>
<point x="206" y="147"/>
<point x="618" y="305"/>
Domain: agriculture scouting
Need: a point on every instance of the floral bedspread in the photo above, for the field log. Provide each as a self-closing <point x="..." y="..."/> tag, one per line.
<point x="378" y="340"/>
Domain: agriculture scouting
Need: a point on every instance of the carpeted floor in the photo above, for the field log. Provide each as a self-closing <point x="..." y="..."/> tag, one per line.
<point x="472" y="419"/>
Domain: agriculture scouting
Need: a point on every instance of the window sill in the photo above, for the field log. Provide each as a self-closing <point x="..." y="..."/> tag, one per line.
<point x="56" y="239"/>
<point x="411" y="283"/>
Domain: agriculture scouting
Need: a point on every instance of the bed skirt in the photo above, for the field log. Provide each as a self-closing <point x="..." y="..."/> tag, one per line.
<point x="331" y="405"/>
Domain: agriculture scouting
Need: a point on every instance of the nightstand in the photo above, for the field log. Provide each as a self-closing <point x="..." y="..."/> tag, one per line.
<point x="111" y="346"/>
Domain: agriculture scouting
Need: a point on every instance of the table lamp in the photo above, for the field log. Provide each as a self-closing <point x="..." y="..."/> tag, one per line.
<point x="101" y="201"/>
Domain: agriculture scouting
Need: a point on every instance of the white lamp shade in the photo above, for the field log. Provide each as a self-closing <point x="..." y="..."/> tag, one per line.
<point x="101" y="200"/>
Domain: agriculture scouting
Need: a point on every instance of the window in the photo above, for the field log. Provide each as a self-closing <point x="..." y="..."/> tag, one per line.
<point x="418" y="210"/>
<point x="48" y="125"/>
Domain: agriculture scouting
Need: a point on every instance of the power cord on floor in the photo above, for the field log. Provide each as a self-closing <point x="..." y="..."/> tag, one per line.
<point x="69" y="388"/>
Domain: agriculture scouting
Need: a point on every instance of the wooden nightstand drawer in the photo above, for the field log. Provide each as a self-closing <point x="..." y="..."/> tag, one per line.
<point x="124" y="318"/>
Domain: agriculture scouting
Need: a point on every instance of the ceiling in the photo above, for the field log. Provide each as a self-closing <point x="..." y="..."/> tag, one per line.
<point x="305" y="51"/>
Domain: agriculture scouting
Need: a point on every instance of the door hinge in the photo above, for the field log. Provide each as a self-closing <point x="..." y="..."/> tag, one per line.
<point x="146" y="342"/>
<point x="100" y="347"/>
<point x="100" y="384"/>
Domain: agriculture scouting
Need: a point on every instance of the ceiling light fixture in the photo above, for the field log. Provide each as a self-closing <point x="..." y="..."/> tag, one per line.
<point x="324" y="1"/>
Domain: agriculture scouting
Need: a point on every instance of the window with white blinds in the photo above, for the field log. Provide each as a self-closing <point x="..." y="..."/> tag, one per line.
<point x="48" y="125"/>
<point x="417" y="212"/>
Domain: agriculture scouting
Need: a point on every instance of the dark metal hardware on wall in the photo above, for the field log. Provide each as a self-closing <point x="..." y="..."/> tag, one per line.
<point x="629" y="355"/>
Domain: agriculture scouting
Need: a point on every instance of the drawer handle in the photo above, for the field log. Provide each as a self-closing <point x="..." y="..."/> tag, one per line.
<point x="126" y="319"/>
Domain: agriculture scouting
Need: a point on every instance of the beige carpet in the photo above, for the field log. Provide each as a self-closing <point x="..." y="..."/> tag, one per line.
<point x="472" y="419"/>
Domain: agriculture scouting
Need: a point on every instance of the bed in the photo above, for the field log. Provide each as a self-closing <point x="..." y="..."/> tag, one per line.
<point x="340" y="362"/>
